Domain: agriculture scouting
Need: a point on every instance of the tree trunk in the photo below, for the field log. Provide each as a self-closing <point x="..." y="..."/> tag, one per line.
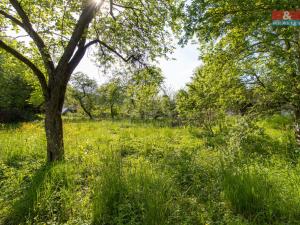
<point x="85" y="109"/>
<point x="53" y="124"/>
<point x="142" y="115"/>
<point x="112" y="113"/>
<point x="297" y="126"/>
<point x="54" y="135"/>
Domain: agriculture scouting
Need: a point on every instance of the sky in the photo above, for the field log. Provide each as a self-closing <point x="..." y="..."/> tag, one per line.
<point x="177" y="72"/>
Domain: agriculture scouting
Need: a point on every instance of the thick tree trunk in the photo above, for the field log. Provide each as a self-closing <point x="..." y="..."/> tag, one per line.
<point x="53" y="124"/>
<point x="54" y="134"/>
<point x="297" y="126"/>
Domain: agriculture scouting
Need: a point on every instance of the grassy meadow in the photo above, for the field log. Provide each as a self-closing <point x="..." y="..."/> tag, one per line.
<point x="143" y="173"/>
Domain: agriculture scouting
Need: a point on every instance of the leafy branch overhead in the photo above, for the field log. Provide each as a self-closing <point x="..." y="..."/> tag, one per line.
<point x="126" y="30"/>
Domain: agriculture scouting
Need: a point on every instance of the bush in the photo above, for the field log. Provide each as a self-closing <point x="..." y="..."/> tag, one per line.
<point x="16" y="115"/>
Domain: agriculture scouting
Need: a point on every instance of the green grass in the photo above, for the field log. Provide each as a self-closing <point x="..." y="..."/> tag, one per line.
<point x="265" y="195"/>
<point x="142" y="173"/>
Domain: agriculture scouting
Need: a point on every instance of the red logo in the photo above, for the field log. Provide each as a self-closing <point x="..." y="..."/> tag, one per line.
<point x="285" y="15"/>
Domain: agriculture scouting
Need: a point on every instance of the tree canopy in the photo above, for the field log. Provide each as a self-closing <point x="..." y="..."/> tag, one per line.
<point x="143" y="89"/>
<point x="239" y="35"/>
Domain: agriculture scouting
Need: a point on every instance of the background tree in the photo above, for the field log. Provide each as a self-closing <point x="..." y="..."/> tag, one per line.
<point x="84" y="91"/>
<point x="168" y="107"/>
<point x="111" y="96"/>
<point x="143" y="90"/>
<point x="15" y="90"/>
<point x="215" y="90"/>
<point x="240" y="34"/>
<point x="60" y="32"/>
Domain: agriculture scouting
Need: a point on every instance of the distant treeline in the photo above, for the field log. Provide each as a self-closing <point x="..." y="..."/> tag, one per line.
<point x="141" y="95"/>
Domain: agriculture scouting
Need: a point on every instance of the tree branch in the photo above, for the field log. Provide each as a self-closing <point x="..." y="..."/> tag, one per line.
<point x="33" y="67"/>
<point x="77" y="56"/>
<point x="82" y="50"/>
<point x="11" y="18"/>
<point x="110" y="49"/>
<point x="76" y="59"/>
<point x="83" y="23"/>
<point x="259" y="80"/>
<point x="125" y="7"/>
<point x="35" y="37"/>
<point x="111" y="9"/>
<point x="14" y="38"/>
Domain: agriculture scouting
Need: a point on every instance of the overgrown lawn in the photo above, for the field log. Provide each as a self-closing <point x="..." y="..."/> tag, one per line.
<point x="135" y="173"/>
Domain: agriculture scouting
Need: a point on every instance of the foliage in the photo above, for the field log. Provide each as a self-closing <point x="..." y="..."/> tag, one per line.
<point x="16" y="90"/>
<point x="111" y="96"/>
<point x="211" y="95"/>
<point x="143" y="90"/>
<point x="238" y="36"/>
<point x="167" y="106"/>
<point x="123" y="29"/>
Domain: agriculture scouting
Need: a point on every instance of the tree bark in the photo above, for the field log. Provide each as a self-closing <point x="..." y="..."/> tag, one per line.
<point x="53" y="124"/>
<point x="297" y="126"/>
<point x="54" y="134"/>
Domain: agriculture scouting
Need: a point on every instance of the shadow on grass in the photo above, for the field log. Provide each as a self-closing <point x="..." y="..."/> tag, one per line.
<point x="23" y="208"/>
<point x="14" y="160"/>
<point x="129" y="122"/>
<point x="9" y="126"/>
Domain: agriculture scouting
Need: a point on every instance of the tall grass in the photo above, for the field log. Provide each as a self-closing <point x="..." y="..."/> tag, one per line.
<point x="131" y="193"/>
<point x="134" y="173"/>
<point x="264" y="195"/>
